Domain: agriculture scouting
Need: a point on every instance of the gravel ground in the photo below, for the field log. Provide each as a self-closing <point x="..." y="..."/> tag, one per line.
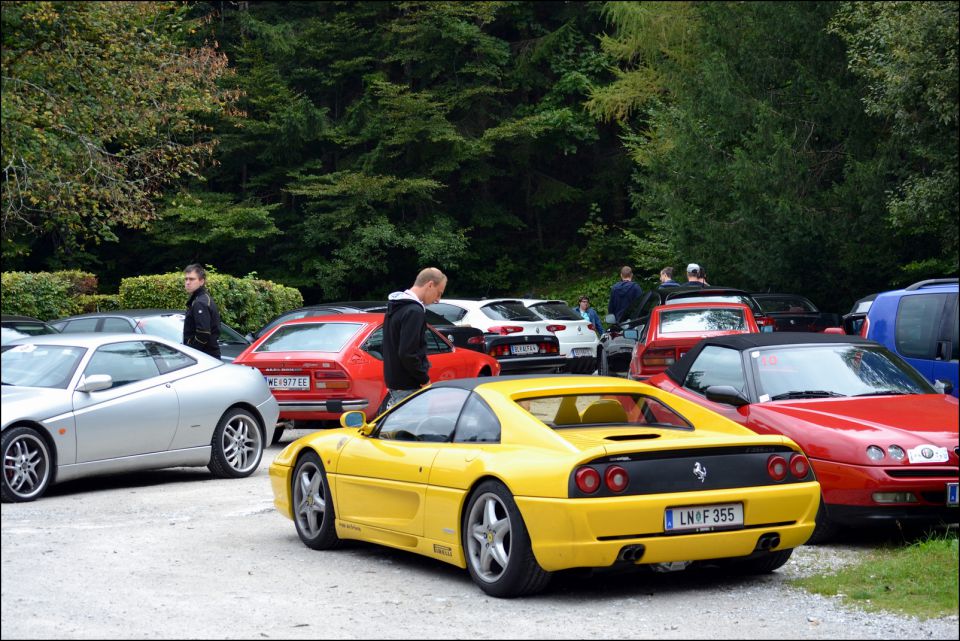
<point x="178" y="554"/>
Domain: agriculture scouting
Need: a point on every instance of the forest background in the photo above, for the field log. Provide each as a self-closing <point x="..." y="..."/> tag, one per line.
<point x="522" y="147"/>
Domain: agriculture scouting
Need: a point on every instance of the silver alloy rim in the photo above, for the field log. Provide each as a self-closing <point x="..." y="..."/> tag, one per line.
<point x="308" y="498"/>
<point x="488" y="540"/>
<point x="26" y="465"/>
<point x="241" y="443"/>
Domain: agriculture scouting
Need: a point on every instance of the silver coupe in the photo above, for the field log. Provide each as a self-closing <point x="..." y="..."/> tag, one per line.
<point x="86" y="404"/>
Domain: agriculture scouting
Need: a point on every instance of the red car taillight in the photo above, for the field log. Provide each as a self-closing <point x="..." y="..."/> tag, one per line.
<point x="591" y="327"/>
<point x="503" y="330"/>
<point x="587" y="479"/>
<point x="659" y="357"/>
<point x="475" y="340"/>
<point x="777" y="467"/>
<point x="499" y="350"/>
<point x="616" y="478"/>
<point x="799" y="466"/>
<point x="331" y="376"/>
<point x="556" y="328"/>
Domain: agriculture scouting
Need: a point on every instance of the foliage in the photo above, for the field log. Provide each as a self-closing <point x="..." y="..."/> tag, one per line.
<point x="919" y="579"/>
<point x="42" y="295"/>
<point x="244" y="303"/>
<point x="102" y="111"/>
<point x="87" y="303"/>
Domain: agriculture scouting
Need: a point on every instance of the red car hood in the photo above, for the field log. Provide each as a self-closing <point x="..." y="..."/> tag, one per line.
<point x="841" y="429"/>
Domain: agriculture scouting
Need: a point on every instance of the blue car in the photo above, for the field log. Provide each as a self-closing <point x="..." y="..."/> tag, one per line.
<point x="920" y="323"/>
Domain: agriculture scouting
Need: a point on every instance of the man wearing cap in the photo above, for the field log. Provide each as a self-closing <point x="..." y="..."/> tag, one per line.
<point x="695" y="276"/>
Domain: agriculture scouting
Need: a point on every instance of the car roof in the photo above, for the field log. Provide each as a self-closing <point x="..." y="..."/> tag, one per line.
<point x="355" y="317"/>
<point x="126" y="313"/>
<point x="17" y="317"/>
<point x="89" y="339"/>
<point x="740" y="342"/>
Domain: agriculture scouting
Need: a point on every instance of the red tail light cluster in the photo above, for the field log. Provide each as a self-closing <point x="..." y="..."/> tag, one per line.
<point x="556" y="328"/>
<point x="542" y="348"/>
<point x="475" y="340"/>
<point x="331" y="376"/>
<point x="503" y="330"/>
<point x="659" y="357"/>
<point x="588" y="479"/>
<point x="777" y="467"/>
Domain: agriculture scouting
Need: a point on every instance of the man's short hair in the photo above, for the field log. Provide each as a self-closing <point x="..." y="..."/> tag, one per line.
<point x="667" y="271"/>
<point x="429" y="275"/>
<point x="197" y="269"/>
<point x="626" y="272"/>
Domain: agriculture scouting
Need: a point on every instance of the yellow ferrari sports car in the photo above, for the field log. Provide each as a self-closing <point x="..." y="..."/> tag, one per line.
<point x="516" y="477"/>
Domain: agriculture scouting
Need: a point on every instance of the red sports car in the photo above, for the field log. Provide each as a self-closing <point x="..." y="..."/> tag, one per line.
<point x="673" y="329"/>
<point x="883" y="443"/>
<point x="321" y="366"/>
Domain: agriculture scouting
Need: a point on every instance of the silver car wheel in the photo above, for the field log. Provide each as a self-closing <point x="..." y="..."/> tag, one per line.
<point x="309" y="499"/>
<point x="489" y="540"/>
<point x="26" y="466"/>
<point x="242" y="443"/>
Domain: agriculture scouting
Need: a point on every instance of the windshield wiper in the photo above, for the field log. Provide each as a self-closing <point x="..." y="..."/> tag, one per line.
<point x="810" y="393"/>
<point x="884" y="392"/>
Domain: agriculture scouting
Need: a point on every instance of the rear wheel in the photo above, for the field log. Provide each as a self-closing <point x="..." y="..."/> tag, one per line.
<point x="26" y="465"/>
<point x="497" y="545"/>
<point x="313" y="511"/>
<point x="237" y="445"/>
<point x="764" y="564"/>
<point x="825" y="528"/>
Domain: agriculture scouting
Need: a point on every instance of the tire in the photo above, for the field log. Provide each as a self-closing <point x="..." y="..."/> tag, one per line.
<point x="313" y="511"/>
<point x="825" y="528"/>
<point x="277" y="433"/>
<point x="237" y="445"/>
<point x="602" y="368"/>
<point x="27" y="466"/>
<point x="763" y="564"/>
<point x="496" y="544"/>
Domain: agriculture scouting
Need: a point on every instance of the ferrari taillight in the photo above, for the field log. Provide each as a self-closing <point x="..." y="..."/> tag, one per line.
<point x="587" y="480"/>
<point x="799" y="466"/>
<point x="616" y="478"/>
<point x="777" y="467"/>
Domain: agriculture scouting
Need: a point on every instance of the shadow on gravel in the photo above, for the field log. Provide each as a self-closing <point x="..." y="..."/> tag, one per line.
<point x="130" y="480"/>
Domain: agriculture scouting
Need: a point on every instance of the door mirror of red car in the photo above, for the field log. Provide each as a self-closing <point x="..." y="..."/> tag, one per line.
<point x="727" y="395"/>
<point x="943" y="386"/>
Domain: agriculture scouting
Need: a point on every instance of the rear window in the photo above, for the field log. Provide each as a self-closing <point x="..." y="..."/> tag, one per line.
<point x="790" y="305"/>
<point x="701" y="320"/>
<point x="596" y="410"/>
<point x="309" y="337"/>
<point x="556" y="311"/>
<point x="512" y="310"/>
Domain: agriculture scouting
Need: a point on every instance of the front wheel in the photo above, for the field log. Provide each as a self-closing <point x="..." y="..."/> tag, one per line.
<point x="26" y="465"/>
<point x="497" y="545"/>
<point x="237" y="445"/>
<point x="313" y="511"/>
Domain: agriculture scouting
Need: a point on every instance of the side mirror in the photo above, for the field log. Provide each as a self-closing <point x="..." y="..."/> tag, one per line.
<point x="356" y="419"/>
<point x="249" y="337"/>
<point x="95" y="383"/>
<point x="610" y="319"/>
<point x="632" y="334"/>
<point x="727" y="395"/>
<point x="943" y="386"/>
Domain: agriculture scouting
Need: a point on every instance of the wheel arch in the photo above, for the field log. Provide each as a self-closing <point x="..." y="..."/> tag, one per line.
<point x="47" y="438"/>
<point x="243" y="405"/>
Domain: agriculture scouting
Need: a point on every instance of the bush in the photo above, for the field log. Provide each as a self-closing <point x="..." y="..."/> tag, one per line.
<point x="42" y="295"/>
<point x="97" y="303"/>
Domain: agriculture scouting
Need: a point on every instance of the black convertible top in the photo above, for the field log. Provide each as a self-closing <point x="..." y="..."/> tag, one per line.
<point x="740" y="342"/>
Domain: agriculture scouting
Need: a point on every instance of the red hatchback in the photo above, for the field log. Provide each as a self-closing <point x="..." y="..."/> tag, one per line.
<point x="673" y="329"/>
<point x="882" y="442"/>
<point x="321" y="366"/>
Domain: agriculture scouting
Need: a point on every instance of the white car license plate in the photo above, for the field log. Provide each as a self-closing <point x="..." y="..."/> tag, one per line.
<point x="952" y="494"/>
<point x="288" y="382"/>
<point x="582" y="351"/>
<point x="696" y="517"/>
<point x="530" y="348"/>
<point x="927" y="454"/>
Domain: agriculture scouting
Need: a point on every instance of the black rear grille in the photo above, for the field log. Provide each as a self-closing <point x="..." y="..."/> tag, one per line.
<point x="923" y="473"/>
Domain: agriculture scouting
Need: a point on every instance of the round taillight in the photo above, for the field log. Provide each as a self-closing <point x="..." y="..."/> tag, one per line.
<point x="799" y="466"/>
<point x="588" y="480"/>
<point x="777" y="467"/>
<point x="616" y="478"/>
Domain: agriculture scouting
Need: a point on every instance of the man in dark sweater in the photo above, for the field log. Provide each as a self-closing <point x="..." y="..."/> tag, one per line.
<point x="201" y="324"/>
<point x="405" y="364"/>
<point x="623" y="293"/>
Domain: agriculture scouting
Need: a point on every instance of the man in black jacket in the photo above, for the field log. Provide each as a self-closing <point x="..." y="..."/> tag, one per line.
<point x="405" y="364"/>
<point x="201" y="327"/>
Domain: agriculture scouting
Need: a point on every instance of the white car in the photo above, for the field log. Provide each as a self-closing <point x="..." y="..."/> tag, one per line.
<point x="578" y="338"/>
<point x="518" y="338"/>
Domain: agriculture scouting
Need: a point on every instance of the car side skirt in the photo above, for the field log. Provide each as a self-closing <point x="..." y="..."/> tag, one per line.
<point x="189" y="457"/>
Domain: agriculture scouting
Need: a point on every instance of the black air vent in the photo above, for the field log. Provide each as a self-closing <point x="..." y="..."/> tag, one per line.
<point x="631" y="437"/>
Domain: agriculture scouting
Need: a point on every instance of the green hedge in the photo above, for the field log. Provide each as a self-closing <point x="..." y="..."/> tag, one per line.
<point x="46" y="295"/>
<point x="246" y="304"/>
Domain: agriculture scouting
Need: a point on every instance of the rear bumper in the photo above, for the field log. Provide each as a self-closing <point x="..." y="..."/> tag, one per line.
<point x="332" y="408"/>
<point x="531" y="363"/>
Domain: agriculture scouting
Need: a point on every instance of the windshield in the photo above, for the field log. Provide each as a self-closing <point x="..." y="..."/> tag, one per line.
<point x="556" y="310"/>
<point x="309" y="337"/>
<point x="701" y="320"/>
<point x="33" y="365"/>
<point x="833" y="370"/>
<point x="594" y="410"/>
<point x="509" y="310"/>
<point x="792" y="304"/>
